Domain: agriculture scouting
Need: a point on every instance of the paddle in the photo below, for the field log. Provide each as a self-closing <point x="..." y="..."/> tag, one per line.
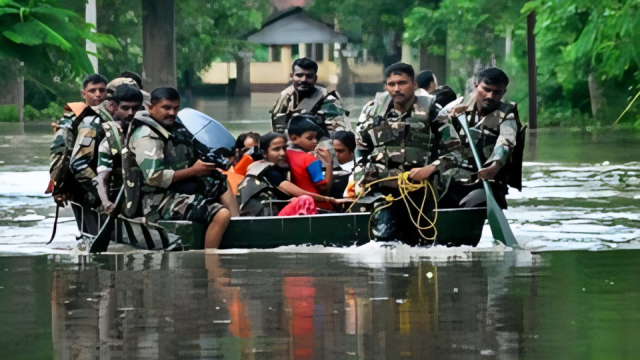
<point x="101" y="242"/>
<point x="497" y="221"/>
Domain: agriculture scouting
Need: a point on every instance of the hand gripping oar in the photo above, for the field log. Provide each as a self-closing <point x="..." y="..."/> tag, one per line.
<point x="101" y="242"/>
<point x="497" y="221"/>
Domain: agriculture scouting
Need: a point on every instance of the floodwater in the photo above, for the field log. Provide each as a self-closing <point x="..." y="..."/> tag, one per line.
<point x="379" y="301"/>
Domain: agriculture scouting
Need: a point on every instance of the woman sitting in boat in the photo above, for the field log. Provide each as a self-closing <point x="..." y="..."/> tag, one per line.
<point x="267" y="180"/>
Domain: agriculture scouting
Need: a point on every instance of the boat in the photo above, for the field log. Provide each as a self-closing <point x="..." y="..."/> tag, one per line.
<point x="455" y="227"/>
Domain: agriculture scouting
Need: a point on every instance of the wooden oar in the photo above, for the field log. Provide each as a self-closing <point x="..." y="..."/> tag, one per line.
<point x="101" y="242"/>
<point x="497" y="221"/>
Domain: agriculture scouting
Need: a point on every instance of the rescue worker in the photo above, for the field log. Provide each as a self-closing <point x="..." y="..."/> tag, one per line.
<point x="398" y="132"/>
<point x="176" y="185"/>
<point x="135" y="77"/>
<point x="65" y="130"/>
<point x="84" y="158"/>
<point x="304" y="97"/>
<point x="127" y="101"/>
<point x="498" y="136"/>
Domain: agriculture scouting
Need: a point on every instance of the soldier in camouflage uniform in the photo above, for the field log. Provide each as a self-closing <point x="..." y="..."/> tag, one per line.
<point x="65" y="130"/>
<point x="498" y="136"/>
<point x="304" y="97"/>
<point x="400" y="132"/>
<point x="127" y="100"/>
<point x="176" y="184"/>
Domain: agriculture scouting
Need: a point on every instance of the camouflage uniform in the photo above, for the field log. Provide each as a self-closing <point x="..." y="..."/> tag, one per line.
<point x="159" y="154"/>
<point x="326" y="105"/>
<point x="110" y="155"/>
<point x="495" y="136"/>
<point x="392" y="143"/>
<point x="84" y="159"/>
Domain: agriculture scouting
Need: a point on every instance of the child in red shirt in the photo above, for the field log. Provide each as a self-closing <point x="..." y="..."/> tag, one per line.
<point x="306" y="169"/>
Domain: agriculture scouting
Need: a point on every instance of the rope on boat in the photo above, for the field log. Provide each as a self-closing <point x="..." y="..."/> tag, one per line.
<point x="405" y="186"/>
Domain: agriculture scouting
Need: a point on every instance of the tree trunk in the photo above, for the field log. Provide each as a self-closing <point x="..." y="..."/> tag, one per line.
<point x="598" y="101"/>
<point x="346" y="85"/>
<point x="159" y="44"/>
<point x="533" y="71"/>
<point x="243" y="73"/>
<point x="92" y="18"/>
<point x="14" y="95"/>
<point x="436" y="63"/>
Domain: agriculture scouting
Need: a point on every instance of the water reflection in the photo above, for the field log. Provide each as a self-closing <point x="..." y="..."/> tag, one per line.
<point x="275" y="306"/>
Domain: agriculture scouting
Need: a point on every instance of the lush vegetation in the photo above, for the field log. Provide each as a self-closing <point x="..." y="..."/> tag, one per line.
<point x="587" y="51"/>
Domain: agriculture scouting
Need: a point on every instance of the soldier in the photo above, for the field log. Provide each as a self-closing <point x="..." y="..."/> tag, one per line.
<point x="496" y="133"/>
<point x="427" y="81"/>
<point x="127" y="100"/>
<point x="176" y="184"/>
<point x="304" y="97"/>
<point x="94" y="89"/>
<point x="135" y="77"/>
<point x="398" y="132"/>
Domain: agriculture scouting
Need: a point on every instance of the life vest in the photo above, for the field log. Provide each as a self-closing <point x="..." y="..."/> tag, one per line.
<point x="253" y="185"/>
<point x="283" y="111"/>
<point x="400" y="144"/>
<point x="133" y="179"/>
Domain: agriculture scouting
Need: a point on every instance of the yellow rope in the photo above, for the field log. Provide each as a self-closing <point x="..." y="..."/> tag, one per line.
<point x="405" y="186"/>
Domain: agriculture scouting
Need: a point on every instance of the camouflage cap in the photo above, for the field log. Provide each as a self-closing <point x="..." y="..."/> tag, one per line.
<point x="111" y="86"/>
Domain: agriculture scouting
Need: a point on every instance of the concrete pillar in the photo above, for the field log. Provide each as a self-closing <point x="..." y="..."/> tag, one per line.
<point x="287" y="61"/>
<point x="271" y="50"/>
<point x="159" y="44"/>
<point x="325" y="52"/>
<point x="302" y="50"/>
<point x="406" y="54"/>
<point x="243" y="73"/>
<point x="92" y="18"/>
<point x="314" y="55"/>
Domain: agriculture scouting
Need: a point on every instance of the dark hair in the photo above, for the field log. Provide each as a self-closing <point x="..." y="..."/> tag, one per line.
<point x="300" y="124"/>
<point x="425" y="78"/>
<point x="493" y="76"/>
<point x="266" y="139"/>
<point x="164" y="93"/>
<point x="399" y="69"/>
<point x="93" y="79"/>
<point x="347" y="138"/>
<point x="240" y="140"/>
<point x="127" y="93"/>
<point x="133" y="76"/>
<point x="305" y="63"/>
<point x="444" y="95"/>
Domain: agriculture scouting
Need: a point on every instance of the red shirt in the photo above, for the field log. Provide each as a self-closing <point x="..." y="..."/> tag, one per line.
<point x="306" y="173"/>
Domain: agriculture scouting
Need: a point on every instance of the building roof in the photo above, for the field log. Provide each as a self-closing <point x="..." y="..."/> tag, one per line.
<point x="295" y="27"/>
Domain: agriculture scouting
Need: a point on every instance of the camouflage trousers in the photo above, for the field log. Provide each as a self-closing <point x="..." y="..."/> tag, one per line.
<point x="195" y="208"/>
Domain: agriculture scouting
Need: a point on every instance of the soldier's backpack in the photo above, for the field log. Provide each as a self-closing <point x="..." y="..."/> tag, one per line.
<point x="61" y="180"/>
<point x="254" y="190"/>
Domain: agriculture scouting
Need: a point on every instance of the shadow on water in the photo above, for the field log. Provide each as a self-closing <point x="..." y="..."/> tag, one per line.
<point x="318" y="306"/>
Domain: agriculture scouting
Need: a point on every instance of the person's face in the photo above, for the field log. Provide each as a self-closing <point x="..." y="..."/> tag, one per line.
<point x="343" y="155"/>
<point x="277" y="152"/>
<point x="308" y="140"/>
<point x="127" y="110"/>
<point x="489" y="96"/>
<point x="94" y="94"/>
<point x="165" y="111"/>
<point x="401" y="88"/>
<point x="249" y="142"/>
<point x="303" y="80"/>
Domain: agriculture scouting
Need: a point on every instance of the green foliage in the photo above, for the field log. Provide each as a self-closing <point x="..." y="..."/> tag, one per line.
<point x="50" y="113"/>
<point x="9" y="113"/>
<point x="40" y="33"/>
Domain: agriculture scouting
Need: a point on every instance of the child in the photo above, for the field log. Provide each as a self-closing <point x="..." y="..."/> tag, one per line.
<point x="306" y="169"/>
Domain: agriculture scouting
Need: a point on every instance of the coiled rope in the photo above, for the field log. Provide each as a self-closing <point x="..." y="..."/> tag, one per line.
<point x="406" y="186"/>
